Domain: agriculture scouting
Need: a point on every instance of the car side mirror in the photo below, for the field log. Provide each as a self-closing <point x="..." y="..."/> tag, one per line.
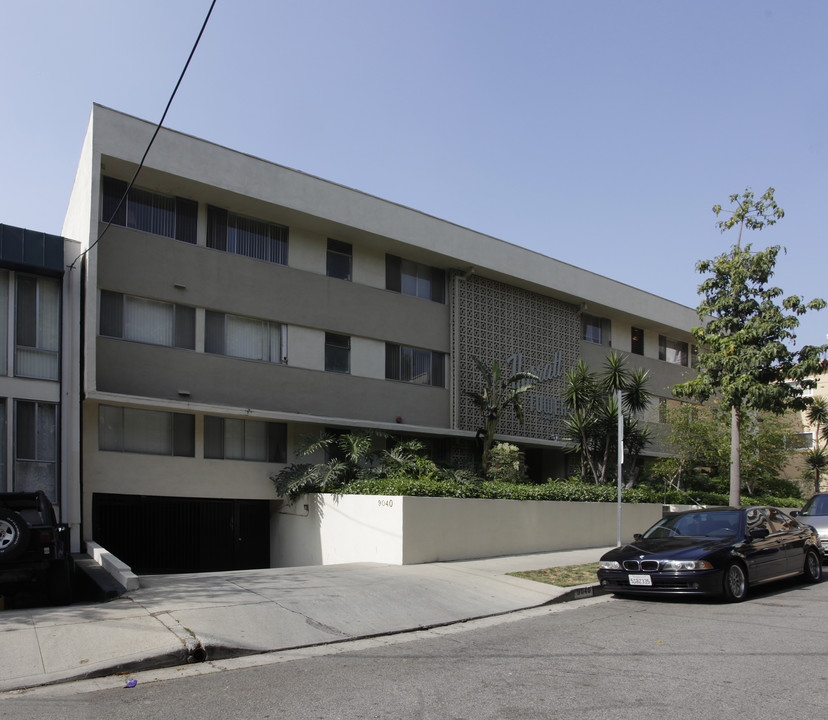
<point x="758" y="533"/>
<point x="638" y="536"/>
<point x="794" y="513"/>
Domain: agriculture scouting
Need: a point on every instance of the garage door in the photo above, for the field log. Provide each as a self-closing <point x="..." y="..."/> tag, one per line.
<point x="168" y="535"/>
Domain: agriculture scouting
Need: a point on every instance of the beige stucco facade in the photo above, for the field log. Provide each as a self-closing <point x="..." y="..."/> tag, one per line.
<point x="499" y="301"/>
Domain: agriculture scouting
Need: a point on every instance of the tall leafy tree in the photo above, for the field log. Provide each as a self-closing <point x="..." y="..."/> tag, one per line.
<point x="592" y="426"/>
<point x="700" y="450"/>
<point x="747" y="357"/>
<point x="499" y="393"/>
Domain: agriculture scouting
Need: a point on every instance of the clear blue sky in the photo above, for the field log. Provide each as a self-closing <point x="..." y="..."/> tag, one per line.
<point x="600" y="133"/>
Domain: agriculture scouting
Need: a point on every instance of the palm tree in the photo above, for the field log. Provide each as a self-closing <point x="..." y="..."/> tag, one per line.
<point x="498" y="394"/>
<point x="592" y="400"/>
<point x="350" y="456"/>
<point x="817" y="458"/>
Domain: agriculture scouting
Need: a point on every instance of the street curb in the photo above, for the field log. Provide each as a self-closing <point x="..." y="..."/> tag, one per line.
<point x="219" y="651"/>
<point x="194" y="651"/>
<point x="578" y="593"/>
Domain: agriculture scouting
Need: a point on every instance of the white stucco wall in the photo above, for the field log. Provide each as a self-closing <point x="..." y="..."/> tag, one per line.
<point x="329" y="529"/>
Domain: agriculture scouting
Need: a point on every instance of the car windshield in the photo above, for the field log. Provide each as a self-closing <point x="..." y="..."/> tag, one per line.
<point x="817" y="505"/>
<point x="697" y="524"/>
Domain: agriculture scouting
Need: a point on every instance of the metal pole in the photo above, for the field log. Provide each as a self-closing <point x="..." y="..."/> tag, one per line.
<point x="620" y="460"/>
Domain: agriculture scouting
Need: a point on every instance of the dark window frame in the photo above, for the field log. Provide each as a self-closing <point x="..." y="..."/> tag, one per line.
<point x="27" y="446"/>
<point x="273" y="238"/>
<point x="337" y="353"/>
<point x="679" y="346"/>
<point x="214" y="439"/>
<point x="339" y="260"/>
<point x="215" y="324"/>
<point x="636" y="341"/>
<point x="111" y="319"/>
<point x="400" y="361"/>
<point x="592" y="323"/>
<point x="182" y="433"/>
<point x="185" y="211"/>
<point x="28" y="299"/>
<point x="435" y="276"/>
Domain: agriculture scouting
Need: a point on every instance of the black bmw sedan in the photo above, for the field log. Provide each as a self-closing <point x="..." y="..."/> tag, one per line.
<point x="714" y="551"/>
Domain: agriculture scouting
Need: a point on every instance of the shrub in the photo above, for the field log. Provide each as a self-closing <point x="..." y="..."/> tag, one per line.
<point x="560" y="490"/>
<point x="506" y="464"/>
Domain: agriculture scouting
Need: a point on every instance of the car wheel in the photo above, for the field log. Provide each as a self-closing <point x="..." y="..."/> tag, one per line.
<point x="813" y="567"/>
<point x="735" y="583"/>
<point x="14" y="534"/>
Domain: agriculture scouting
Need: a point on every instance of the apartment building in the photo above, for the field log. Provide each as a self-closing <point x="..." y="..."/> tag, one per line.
<point x="234" y="307"/>
<point x="39" y="341"/>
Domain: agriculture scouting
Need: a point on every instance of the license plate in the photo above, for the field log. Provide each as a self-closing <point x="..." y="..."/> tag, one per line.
<point x="640" y="580"/>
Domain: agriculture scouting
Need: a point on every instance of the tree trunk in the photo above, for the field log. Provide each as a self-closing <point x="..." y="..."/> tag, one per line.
<point x="735" y="456"/>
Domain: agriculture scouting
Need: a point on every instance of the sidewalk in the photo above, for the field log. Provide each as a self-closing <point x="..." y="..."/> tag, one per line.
<point x="176" y="619"/>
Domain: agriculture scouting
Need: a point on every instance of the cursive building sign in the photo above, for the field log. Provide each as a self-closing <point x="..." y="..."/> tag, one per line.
<point x="545" y="372"/>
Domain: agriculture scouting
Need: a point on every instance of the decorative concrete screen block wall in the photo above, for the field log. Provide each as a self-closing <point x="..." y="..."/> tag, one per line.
<point x="523" y="331"/>
<point x="335" y="529"/>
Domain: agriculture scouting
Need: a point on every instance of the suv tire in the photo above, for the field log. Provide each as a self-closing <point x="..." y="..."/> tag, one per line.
<point x="14" y="534"/>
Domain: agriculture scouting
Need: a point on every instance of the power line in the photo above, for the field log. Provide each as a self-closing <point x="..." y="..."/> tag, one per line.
<point x="152" y="139"/>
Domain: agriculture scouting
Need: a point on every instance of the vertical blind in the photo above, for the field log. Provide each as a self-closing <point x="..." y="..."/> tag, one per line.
<point x="151" y="212"/>
<point x="153" y="432"/>
<point x="4" y="323"/>
<point x="36" y="448"/>
<point x="246" y="236"/>
<point x="38" y="327"/>
<point x="243" y="337"/>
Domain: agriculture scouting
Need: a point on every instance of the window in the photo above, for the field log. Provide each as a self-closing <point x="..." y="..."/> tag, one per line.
<point x="36" y="448"/>
<point x="799" y="441"/>
<point x="38" y="327"/>
<point x="414" y="365"/>
<point x="779" y="521"/>
<point x="245" y="236"/>
<point x="595" y="329"/>
<point x="4" y="328"/>
<point x="337" y="353"/>
<point x="339" y="260"/>
<point x="148" y="321"/>
<point x="151" y="212"/>
<point x="672" y="351"/>
<point x="233" y="439"/>
<point x="150" y="432"/>
<point x="410" y="278"/>
<point x="244" y="337"/>
<point x="3" y="452"/>
<point x="636" y="341"/>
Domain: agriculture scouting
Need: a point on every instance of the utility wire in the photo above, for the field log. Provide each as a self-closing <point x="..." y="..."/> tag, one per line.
<point x="152" y="139"/>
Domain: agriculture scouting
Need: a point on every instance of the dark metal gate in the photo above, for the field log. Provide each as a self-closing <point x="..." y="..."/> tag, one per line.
<point x="170" y="534"/>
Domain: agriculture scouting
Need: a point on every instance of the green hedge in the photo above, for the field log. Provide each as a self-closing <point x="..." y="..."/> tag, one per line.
<point x="569" y="491"/>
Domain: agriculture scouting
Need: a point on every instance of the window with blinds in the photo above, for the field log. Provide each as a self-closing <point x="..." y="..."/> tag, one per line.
<point x="151" y="212"/>
<point x="37" y="332"/>
<point x="245" y="236"/>
<point x="130" y="317"/>
<point x="245" y="337"/>
<point x="414" y="365"/>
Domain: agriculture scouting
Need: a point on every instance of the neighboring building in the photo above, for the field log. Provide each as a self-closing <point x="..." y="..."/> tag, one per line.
<point x="804" y="438"/>
<point x="39" y="341"/>
<point x="235" y="306"/>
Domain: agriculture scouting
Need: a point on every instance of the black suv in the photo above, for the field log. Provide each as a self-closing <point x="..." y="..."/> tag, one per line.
<point x="34" y="547"/>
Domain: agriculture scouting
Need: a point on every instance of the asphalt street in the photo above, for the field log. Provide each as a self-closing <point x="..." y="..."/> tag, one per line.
<point x="598" y="658"/>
